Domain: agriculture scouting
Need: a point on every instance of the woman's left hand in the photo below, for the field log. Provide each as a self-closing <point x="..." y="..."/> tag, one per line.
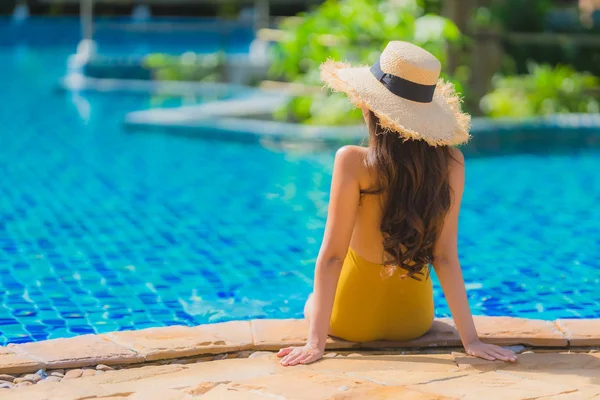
<point x="489" y="351"/>
<point x="299" y="355"/>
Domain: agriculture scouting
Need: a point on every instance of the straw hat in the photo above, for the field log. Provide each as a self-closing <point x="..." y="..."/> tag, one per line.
<point x="404" y="90"/>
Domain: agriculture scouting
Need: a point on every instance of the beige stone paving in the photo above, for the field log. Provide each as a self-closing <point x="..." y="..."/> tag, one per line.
<point x="581" y="332"/>
<point x="272" y="334"/>
<point x="180" y="341"/>
<point x="356" y="377"/>
<point x="77" y="351"/>
<point x="377" y="370"/>
<point x="12" y="362"/>
<point x="183" y="341"/>
<point x="510" y="330"/>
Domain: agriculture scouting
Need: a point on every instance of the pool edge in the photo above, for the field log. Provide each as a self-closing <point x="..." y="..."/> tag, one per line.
<point x="174" y="342"/>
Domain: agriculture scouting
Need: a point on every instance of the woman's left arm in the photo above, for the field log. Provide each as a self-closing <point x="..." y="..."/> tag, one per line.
<point x="448" y="270"/>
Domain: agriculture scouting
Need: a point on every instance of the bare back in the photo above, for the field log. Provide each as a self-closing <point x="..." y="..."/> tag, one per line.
<point x="367" y="239"/>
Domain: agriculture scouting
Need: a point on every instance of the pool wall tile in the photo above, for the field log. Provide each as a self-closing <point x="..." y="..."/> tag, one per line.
<point x="273" y="334"/>
<point x="79" y="351"/>
<point x="580" y="332"/>
<point x="183" y="341"/>
<point x="15" y="362"/>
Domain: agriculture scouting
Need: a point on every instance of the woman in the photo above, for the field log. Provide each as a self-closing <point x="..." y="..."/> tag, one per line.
<point x="393" y="211"/>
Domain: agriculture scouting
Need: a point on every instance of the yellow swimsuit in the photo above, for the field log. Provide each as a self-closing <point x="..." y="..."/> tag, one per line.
<point x="372" y="305"/>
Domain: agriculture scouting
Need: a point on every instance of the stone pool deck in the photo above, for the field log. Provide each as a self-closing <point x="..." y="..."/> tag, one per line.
<point x="234" y="360"/>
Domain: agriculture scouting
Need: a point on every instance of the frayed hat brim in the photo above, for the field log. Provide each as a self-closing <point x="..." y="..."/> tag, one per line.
<point x="440" y="122"/>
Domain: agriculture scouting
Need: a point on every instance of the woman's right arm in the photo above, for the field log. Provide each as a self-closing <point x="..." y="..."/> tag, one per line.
<point x="449" y="273"/>
<point x="341" y="216"/>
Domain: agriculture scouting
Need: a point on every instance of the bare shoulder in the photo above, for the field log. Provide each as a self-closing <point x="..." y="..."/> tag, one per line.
<point x="457" y="162"/>
<point x="350" y="162"/>
<point x="356" y="153"/>
<point x="351" y="157"/>
<point x="458" y="158"/>
<point x="457" y="170"/>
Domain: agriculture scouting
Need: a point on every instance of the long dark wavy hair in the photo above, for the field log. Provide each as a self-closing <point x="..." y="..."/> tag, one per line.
<point x="413" y="179"/>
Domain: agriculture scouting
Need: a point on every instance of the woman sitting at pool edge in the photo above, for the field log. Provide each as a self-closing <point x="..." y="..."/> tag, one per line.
<point x="393" y="211"/>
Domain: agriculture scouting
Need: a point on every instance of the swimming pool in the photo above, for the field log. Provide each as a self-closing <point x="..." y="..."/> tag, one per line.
<point x="104" y="230"/>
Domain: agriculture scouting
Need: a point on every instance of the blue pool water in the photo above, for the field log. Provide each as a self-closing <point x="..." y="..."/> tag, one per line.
<point x="103" y="230"/>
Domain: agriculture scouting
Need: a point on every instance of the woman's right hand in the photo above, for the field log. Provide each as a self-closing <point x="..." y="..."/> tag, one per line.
<point x="300" y="355"/>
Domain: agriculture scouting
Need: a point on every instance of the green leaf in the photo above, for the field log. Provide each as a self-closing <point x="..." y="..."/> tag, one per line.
<point x="545" y="90"/>
<point x="354" y="31"/>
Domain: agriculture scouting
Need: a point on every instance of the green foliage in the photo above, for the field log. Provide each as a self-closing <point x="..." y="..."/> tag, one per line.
<point x="545" y="90"/>
<point x="514" y="15"/>
<point x="431" y="6"/>
<point x="187" y="67"/>
<point x="355" y="31"/>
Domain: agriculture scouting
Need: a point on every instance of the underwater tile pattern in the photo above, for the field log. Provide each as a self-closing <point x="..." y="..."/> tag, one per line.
<point x="104" y="230"/>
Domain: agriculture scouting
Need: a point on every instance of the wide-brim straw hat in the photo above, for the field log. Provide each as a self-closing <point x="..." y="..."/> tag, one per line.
<point x="405" y="91"/>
